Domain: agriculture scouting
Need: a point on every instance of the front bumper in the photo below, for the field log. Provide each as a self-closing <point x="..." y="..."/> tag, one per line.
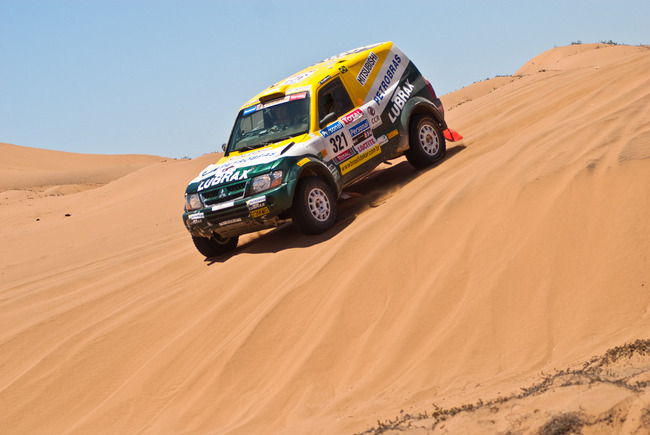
<point x="241" y="216"/>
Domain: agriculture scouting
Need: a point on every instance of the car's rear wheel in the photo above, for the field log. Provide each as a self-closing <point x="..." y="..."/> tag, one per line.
<point x="314" y="208"/>
<point x="215" y="245"/>
<point x="426" y="142"/>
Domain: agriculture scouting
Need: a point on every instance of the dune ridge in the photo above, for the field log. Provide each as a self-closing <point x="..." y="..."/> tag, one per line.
<point x="27" y="173"/>
<point x="525" y="250"/>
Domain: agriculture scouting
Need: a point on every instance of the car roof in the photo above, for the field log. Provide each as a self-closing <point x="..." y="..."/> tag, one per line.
<point x="309" y="78"/>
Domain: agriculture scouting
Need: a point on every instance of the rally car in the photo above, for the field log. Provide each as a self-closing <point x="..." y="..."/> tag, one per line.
<point x="296" y="145"/>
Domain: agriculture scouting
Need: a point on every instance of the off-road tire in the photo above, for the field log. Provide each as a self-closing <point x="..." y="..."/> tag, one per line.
<point x="426" y="142"/>
<point x="314" y="208"/>
<point x="215" y="245"/>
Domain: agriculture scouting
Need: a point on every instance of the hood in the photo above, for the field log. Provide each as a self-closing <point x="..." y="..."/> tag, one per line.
<point x="239" y="166"/>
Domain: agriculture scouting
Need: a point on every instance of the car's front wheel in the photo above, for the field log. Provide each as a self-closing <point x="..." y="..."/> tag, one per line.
<point x="426" y="142"/>
<point x="314" y="207"/>
<point x="215" y="245"/>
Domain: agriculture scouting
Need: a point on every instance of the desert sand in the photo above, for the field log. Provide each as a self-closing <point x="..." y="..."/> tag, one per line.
<point x="486" y="290"/>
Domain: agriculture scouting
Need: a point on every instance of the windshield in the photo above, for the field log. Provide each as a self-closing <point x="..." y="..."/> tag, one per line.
<point x="271" y="122"/>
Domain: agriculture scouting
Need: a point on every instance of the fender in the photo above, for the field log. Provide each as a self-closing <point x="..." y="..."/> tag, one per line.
<point x="416" y="105"/>
<point x="308" y="166"/>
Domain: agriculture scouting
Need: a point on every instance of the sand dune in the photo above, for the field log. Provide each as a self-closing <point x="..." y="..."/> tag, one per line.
<point x="526" y="250"/>
<point x="27" y="173"/>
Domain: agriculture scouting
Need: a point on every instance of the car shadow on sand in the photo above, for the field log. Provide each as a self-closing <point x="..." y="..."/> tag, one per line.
<point x="370" y="192"/>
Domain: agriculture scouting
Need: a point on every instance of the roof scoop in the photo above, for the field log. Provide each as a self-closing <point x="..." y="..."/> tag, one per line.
<point x="276" y="93"/>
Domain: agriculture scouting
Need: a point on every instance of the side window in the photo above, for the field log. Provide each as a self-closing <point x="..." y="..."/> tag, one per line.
<point x="333" y="98"/>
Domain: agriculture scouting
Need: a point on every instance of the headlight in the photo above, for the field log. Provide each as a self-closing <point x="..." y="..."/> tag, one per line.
<point x="193" y="202"/>
<point x="266" y="181"/>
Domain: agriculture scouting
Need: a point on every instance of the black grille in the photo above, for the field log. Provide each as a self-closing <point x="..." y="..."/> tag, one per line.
<point x="224" y="193"/>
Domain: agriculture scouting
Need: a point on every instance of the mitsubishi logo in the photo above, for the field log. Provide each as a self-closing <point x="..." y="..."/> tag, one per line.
<point x="222" y="194"/>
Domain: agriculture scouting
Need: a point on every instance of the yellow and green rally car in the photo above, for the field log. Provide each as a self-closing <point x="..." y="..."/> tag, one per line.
<point x="295" y="146"/>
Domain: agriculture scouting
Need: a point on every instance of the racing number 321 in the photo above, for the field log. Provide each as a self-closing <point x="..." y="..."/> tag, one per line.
<point x="339" y="142"/>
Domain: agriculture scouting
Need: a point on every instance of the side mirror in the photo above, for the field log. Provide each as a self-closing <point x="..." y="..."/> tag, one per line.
<point x="327" y="119"/>
<point x="223" y="147"/>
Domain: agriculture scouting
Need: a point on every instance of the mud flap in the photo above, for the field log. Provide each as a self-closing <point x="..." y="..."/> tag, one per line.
<point x="451" y="135"/>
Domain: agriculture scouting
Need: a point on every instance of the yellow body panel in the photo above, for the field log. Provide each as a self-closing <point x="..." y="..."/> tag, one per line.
<point x="348" y="66"/>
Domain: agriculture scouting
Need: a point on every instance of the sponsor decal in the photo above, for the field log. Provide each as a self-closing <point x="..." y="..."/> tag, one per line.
<point x="334" y="171"/>
<point x="274" y="102"/>
<point x="354" y="50"/>
<point x="195" y="217"/>
<point x="229" y="222"/>
<point x="250" y="110"/>
<point x="323" y="153"/>
<point x="211" y="170"/>
<point x="256" y="203"/>
<point x="223" y="205"/>
<point x="367" y="68"/>
<point x="359" y="159"/>
<point x="344" y="156"/>
<point x="365" y="145"/>
<point x="360" y="127"/>
<point x="227" y="176"/>
<point x="326" y="78"/>
<point x="382" y="139"/>
<point x="399" y="100"/>
<point x="392" y="134"/>
<point x="303" y="161"/>
<point x="392" y="71"/>
<point x="361" y="137"/>
<point x="299" y="96"/>
<point x="297" y="78"/>
<point x="257" y="157"/>
<point x="260" y="212"/>
<point x="375" y="120"/>
<point x="224" y="169"/>
<point x="352" y="116"/>
<point x="331" y="129"/>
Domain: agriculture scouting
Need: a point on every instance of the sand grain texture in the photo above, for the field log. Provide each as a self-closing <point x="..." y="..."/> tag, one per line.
<point x="526" y="250"/>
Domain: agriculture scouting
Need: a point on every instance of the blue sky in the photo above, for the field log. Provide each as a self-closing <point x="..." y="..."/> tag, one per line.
<point x="168" y="77"/>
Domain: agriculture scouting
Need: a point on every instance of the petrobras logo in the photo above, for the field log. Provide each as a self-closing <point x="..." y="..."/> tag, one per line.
<point x="331" y="129"/>
<point x="352" y="116"/>
<point x="367" y="68"/>
<point x="393" y="70"/>
<point x="360" y="127"/>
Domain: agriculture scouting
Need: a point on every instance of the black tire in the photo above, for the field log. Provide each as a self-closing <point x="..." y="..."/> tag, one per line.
<point x="215" y="245"/>
<point x="426" y="142"/>
<point x="314" y="208"/>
